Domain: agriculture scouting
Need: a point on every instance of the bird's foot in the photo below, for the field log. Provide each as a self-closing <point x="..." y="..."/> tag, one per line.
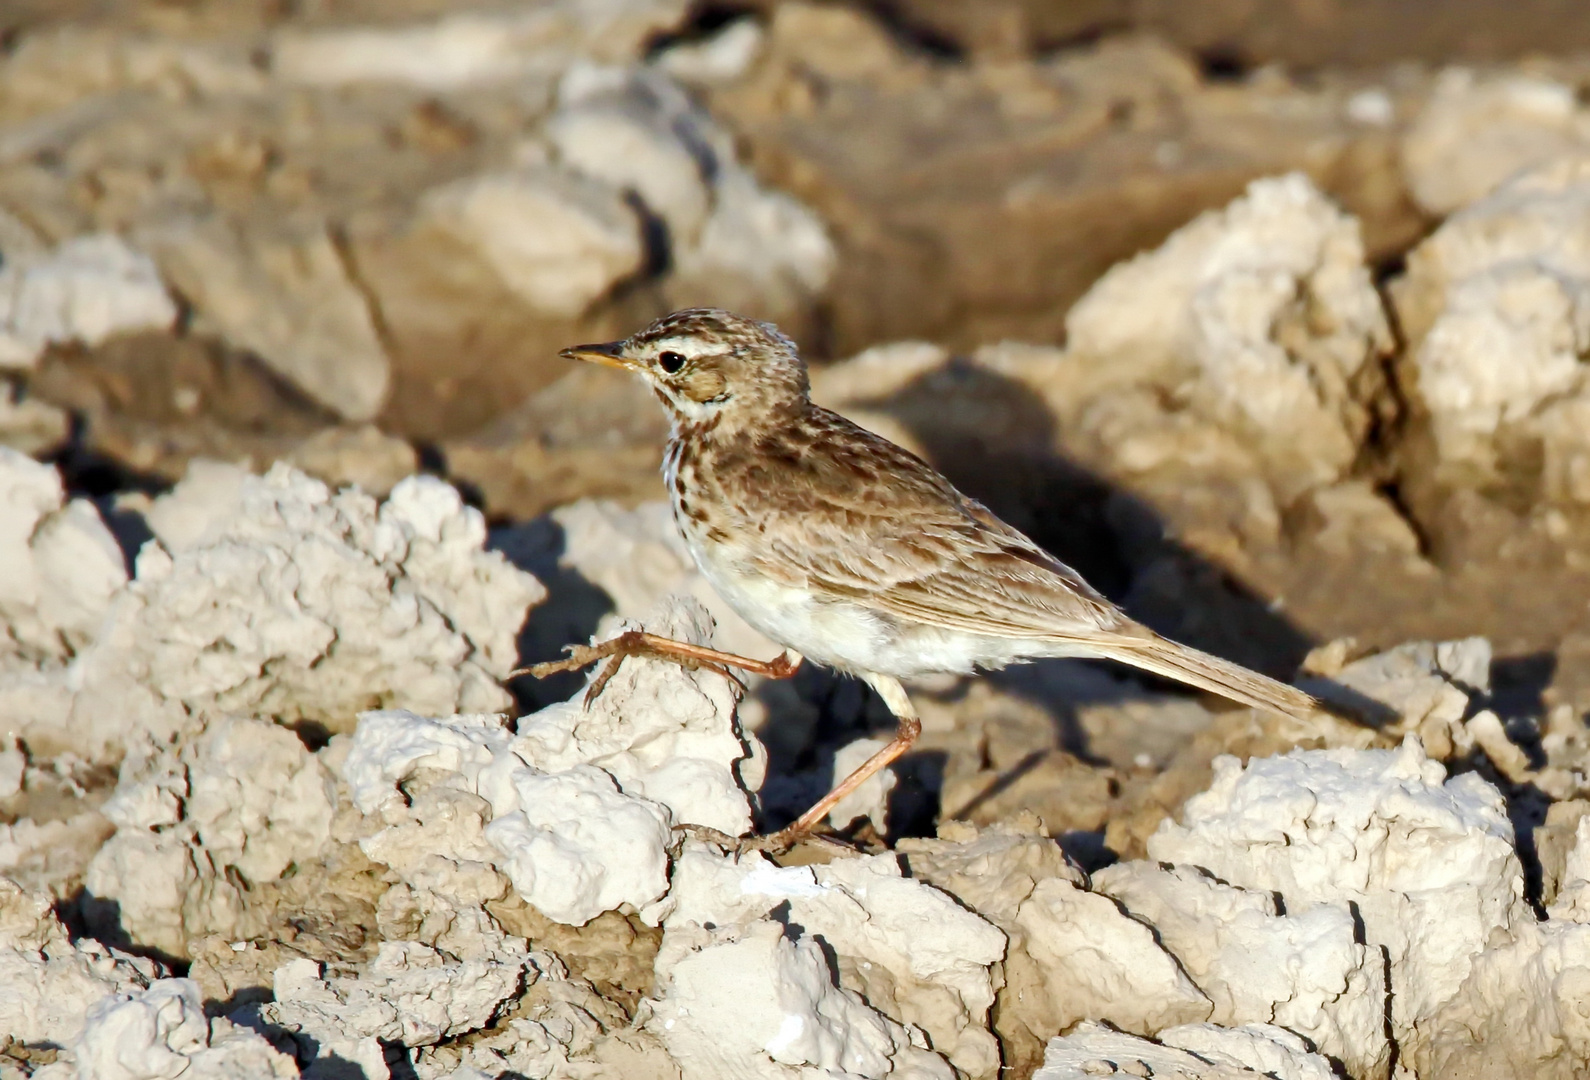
<point x="629" y="643"/>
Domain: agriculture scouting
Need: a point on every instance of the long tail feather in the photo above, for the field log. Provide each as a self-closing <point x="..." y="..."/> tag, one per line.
<point x="1165" y="657"/>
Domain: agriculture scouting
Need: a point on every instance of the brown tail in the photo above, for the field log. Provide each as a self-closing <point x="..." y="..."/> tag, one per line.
<point x="1233" y="681"/>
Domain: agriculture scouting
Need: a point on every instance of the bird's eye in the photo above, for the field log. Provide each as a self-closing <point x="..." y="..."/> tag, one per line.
<point x="670" y="361"/>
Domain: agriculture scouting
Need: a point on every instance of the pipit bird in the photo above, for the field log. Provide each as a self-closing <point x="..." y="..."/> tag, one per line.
<point x="852" y="552"/>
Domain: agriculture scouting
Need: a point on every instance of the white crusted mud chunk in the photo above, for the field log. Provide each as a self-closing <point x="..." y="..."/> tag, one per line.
<point x="1093" y="1050"/>
<point x="1427" y="863"/>
<point x="1521" y="1012"/>
<point x="557" y="240"/>
<point x="1477" y="131"/>
<point x="390" y="746"/>
<point x="1097" y="962"/>
<point x="87" y="290"/>
<point x="1264" y="1048"/>
<point x="244" y="800"/>
<point x="410" y="993"/>
<point x="285" y="600"/>
<point x="59" y="564"/>
<point x="162" y="1032"/>
<point x="578" y="846"/>
<point x="1496" y="308"/>
<point x="48" y="982"/>
<point x="663" y="732"/>
<point x="472" y="47"/>
<point x="1303" y="970"/>
<point x="753" y="1003"/>
<point x="909" y="949"/>
<point x="1265" y="315"/>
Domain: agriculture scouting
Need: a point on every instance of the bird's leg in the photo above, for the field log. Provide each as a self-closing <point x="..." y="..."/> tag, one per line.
<point x="640" y="643"/>
<point x="905" y="735"/>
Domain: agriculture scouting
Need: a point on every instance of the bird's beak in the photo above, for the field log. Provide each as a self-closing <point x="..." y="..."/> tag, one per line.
<point x="609" y="353"/>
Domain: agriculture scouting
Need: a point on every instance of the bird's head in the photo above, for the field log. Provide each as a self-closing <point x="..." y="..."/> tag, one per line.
<point x="706" y="364"/>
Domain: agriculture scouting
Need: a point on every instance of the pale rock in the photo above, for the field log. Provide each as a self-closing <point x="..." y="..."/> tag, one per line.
<point x="471" y="47"/>
<point x="60" y="566"/>
<point x="723" y="57"/>
<point x="1098" y="963"/>
<point x="1427" y="863"/>
<point x="1496" y="309"/>
<point x="52" y="856"/>
<point x="1264" y="1048"/>
<point x="643" y="135"/>
<point x="1572" y="901"/>
<point x="576" y="809"/>
<point x="746" y="247"/>
<point x="1354" y="517"/>
<point x="243" y="800"/>
<point x="1303" y="970"/>
<point x="1520" y="1012"/>
<point x="871" y="799"/>
<point x="162" y="1032"/>
<point x="753" y="1003"/>
<point x="277" y="598"/>
<point x="13" y="767"/>
<point x="409" y="993"/>
<point x="29" y="424"/>
<point x="556" y="240"/>
<point x="287" y="297"/>
<point x="1263" y="315"/>
<point x="87" y="289"/>
<point x="1477" y="131"/>
<point x="577" y="846"/>
<point x="759" y="250"/>
<point x="661" y="731"/>
<point x="1092" y="1050"/>
<point x="1421" y="683"/>
<point x="362" y="455"/>
<point x="909" y="949"/>
<point x="48" y="982"/>
<point x="392" y="745"/>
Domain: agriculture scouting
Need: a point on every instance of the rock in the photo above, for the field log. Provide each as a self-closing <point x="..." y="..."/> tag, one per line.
<point x="1303" y="970"/>
<point x="285" y="296"/>
<point x="1433" y="875"/>
<point x="578" y="806"/>
<point x="1477" y="131"/>
<point x="1505" y="277"/>
<point x="363" y="455"/>
<point x="557" y="242"/>
<point x="49" y="982"/>
<point x="875" y="921"/>
<point x="30" y="425"/>
<point x="162" y="1031"/>
<point x="327" y="590"/>
<point x="465" y="48"/>
<point x="60" y="566"/>
<point x="198" y="831"/>
<point x="410" y="994"/>
<point x="1210" y="1053"/>
<point x="871" y="799"/>
<point x="1270" y="307"/>
<point x="87" y="289"/>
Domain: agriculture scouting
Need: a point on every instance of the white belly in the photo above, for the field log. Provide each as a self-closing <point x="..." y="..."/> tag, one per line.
<point x="845" y="635"/>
